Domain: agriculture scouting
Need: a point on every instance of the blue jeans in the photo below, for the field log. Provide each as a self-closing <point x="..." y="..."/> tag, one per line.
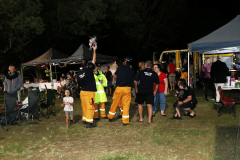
<point x="160" y="97"/>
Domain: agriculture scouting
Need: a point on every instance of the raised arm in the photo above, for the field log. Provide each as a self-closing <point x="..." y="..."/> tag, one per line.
<point x="94" y="55"/>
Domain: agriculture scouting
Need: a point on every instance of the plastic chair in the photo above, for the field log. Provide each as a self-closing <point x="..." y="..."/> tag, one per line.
<point x="226" y="101"/>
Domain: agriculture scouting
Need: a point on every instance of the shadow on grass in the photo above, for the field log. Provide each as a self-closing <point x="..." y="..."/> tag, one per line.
<point x="77" y="118"/>
<point x="227" y="109"/>
<point x="225" y="143"/>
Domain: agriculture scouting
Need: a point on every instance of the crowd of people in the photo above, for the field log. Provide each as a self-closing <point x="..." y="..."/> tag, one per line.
<point x="150" y="84"/>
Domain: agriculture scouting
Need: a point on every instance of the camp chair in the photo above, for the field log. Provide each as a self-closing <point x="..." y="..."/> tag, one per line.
<point x="33" y="108"/>
<point x="226" y="101"/>
<point x="7" y="117"/>
<point x="50" y="105"/>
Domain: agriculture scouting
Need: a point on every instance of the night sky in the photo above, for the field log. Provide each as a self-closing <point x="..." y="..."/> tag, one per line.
<point x="203" y="17"/>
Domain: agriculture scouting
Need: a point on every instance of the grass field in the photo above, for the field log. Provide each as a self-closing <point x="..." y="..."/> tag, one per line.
<point x="206" y="136"/>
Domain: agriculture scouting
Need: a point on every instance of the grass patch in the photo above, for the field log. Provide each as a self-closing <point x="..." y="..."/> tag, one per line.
<point x="206" y="136"/>
<point x="126" y="156"/>
<point x="10" y="149"/>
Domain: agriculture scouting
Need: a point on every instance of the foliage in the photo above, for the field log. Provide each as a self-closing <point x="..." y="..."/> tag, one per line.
<point x="28" y="28"/>
<point x="20" y="23"/>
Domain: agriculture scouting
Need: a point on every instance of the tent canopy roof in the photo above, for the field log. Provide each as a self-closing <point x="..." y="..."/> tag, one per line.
<point x="46" y="57"/>
<point x="224" y="50"/>
<point x="226" y="36"/>
<point x="83" y="52"/>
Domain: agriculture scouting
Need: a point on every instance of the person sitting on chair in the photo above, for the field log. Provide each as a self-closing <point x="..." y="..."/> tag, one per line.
<point x="186" y="100"/>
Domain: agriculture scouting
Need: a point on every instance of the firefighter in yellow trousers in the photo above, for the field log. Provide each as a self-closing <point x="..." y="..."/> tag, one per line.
<point x="87" y="83"/>
<point x="122" y="94"/>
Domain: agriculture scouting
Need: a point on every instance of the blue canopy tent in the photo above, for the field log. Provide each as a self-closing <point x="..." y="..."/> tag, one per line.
<point x="226" y="39"/>
<point x="226" y="36"/>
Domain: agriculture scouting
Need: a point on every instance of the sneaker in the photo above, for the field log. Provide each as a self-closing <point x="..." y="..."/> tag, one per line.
<point x="218" y="103"/>
<point x="124" y="124"/>
<point x="187" y="114"/>
<point x="84" y="122"/>
<point x="119" y="116"/>
<point x="213" y="99"/>
<point x="96" y="119"/>
<point x="205" y="99"/>
<point x="110" y="120"/>
<point x="91" y="125"/>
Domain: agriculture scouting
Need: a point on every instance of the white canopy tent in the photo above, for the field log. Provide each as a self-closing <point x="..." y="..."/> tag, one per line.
<point x="111" y="65"/>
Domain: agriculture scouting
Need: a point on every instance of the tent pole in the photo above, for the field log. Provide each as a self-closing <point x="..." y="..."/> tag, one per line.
<point x="56" y="72"/>
<point x="51" y="74"/>
<point x="188" y="67"/>
<point x="22" y="77"/>
<point x="203" y="58"/>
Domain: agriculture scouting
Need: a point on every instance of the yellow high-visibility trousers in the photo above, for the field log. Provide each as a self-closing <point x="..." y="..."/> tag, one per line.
<point x="121" y="108"/>
<point x="87" y="106"/>
<point x="184" y="75"/>
<point x="102" y="110"/>
<point x="121" y="94"/>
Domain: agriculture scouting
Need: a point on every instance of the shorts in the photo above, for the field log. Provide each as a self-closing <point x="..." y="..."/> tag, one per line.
<point x="172" y="77"/>
<point x="190" y="105"/>
<point x="148" y="98"/>
<point x="109" y="84"/>
<point x="70" y="113"/>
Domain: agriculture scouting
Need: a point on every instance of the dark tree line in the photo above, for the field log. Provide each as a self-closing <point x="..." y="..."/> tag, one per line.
<point x="134" y="28"/>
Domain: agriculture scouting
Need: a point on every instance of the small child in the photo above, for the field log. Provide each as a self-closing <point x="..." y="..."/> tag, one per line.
<point x="68" y="103"/>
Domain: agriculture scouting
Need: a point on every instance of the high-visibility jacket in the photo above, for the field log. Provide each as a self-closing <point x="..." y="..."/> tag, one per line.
<point x="100" y="95"/>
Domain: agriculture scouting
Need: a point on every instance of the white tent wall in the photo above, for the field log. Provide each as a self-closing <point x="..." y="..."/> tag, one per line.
<point x="111" y="65"/>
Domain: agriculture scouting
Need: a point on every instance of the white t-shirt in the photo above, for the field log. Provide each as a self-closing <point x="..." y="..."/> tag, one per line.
<point x="65" y="101"/>
<point x="63" y="82"/>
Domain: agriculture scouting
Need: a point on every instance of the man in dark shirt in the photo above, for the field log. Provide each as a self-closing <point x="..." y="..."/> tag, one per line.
<point x="87" y="83"/>
<point x="219" y="73"/>
<point x="146" y="79"/>
<point x="186" y="100"/>
<point x="108" y="75"/>
<point x="124" y="75"/>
